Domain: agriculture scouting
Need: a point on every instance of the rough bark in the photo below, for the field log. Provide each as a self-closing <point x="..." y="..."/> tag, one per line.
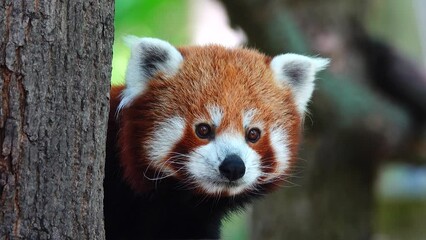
<point x="55" y="64"/>
<point x="353" y="127"/>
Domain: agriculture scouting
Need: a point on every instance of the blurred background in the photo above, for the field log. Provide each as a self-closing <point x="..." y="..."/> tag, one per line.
<point x="362" y="171"/>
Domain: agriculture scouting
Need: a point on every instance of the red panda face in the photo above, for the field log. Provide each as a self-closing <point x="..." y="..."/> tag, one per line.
<point x="220" y="121"/>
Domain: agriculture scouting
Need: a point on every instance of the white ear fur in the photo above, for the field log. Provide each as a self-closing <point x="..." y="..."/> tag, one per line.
<point x="148" y="56"/>
<point x="298" y="72"/>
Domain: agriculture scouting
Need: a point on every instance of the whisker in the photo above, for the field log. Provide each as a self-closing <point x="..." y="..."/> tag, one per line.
<point x="161" y="177"/>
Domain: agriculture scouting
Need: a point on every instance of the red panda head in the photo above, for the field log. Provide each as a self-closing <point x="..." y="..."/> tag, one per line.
<point x="218" y="120"/>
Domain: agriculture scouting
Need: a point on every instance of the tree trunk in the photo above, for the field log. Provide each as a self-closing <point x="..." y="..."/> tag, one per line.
<point x="353" y="127"/>
<point x="55" y="66"/>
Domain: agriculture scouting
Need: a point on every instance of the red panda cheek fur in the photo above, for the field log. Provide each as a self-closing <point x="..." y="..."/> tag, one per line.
<point x="132" y="134"/>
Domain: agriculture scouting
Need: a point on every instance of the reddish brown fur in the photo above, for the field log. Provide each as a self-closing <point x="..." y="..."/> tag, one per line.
<point x="235" y="80"/>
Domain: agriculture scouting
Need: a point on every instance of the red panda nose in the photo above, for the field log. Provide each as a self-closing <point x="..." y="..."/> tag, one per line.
<point x="232" y="167"/>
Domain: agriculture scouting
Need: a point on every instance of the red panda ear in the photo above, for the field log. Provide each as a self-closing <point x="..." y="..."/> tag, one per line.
<point x="148" y="57"/>
<point x="298" y="72"/>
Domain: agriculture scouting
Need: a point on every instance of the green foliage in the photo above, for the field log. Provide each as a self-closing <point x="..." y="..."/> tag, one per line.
<point x="395" y="22"/>
<point x="236" y="227"/>
<point x="401" y="219"/>
<point x="165" y="19"/>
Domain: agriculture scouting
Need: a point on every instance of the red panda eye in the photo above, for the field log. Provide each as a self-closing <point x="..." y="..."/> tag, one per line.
<point x="253" y="135"/>
<point x="203" y="130"/>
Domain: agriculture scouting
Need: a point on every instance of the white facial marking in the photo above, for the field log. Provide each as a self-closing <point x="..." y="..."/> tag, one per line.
<point x="204" y="163"/>
<point x="216" y="114"/>
<point x="299" y="73"/>
<point x="248" y="119"/>
<point x="165" y="136"/>
<point x="163" y="58"/>
<point x="279" y="140"/>
<point x="248" y="116"/>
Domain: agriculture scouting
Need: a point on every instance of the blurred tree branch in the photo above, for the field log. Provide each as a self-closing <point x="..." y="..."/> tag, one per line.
<point x="354" y="127"/>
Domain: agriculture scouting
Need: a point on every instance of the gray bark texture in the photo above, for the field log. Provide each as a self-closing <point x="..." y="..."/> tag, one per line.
<point x="350" y="130"/>
<point x="55" y="66"/>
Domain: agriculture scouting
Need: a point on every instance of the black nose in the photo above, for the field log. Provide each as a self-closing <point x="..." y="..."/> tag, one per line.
<point x="232" y="167"/>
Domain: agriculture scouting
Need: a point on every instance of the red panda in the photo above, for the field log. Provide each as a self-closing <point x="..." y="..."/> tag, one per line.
<point x="199" y="132"/>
